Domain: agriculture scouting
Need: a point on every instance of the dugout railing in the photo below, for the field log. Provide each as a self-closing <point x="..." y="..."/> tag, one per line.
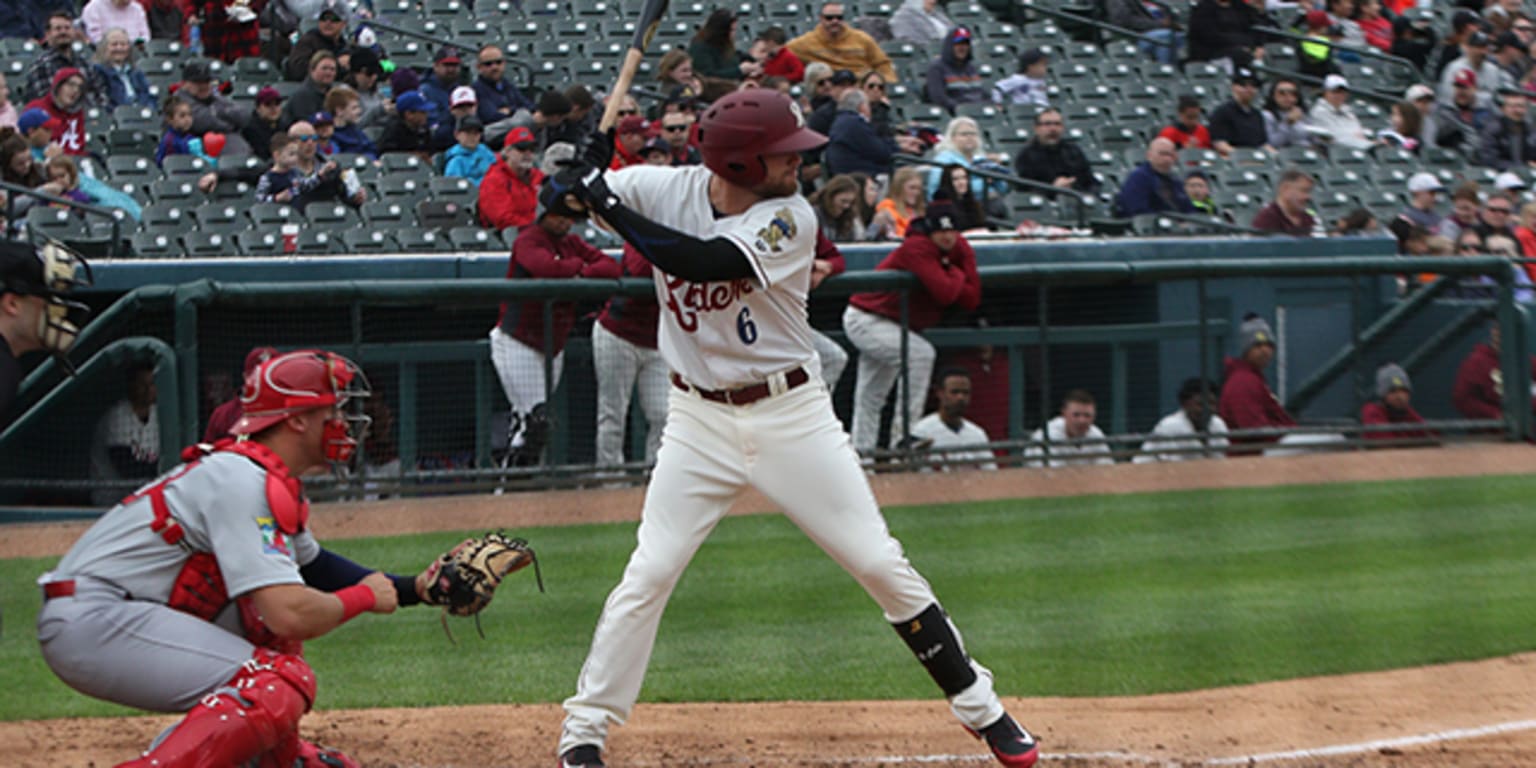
<point x="197" y="321"/>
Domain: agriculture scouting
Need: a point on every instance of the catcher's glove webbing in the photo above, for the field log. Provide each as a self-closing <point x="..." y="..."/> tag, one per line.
<point x="465" y="578"/>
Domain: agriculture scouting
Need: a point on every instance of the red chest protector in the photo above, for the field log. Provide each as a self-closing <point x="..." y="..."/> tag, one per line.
<point x="199" y="588"/>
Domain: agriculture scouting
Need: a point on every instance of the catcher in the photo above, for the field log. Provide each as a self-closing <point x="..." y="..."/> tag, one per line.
<point x="196" y="593"/>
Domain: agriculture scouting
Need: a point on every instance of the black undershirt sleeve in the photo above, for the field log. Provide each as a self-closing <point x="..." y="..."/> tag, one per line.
<point x="330" y="572"/>
<point x="677" y="253"/>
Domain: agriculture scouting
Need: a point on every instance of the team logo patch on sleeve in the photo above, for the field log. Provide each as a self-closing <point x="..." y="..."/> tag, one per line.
<point x="272" y="541"/>
<point x="781" y="228"/>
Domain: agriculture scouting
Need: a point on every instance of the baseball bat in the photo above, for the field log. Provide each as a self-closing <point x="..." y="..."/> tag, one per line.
<point x="645" y="29"/>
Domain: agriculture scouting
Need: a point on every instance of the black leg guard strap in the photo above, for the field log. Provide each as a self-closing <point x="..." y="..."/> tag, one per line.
<point x="930" y="636"/>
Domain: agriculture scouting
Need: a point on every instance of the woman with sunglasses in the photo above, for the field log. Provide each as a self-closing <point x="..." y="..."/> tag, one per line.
<point x="1285" y="115"/>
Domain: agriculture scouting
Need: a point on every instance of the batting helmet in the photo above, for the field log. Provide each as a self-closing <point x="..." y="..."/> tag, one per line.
<point x="742" y="127"/>
<point x="301" y="381"/>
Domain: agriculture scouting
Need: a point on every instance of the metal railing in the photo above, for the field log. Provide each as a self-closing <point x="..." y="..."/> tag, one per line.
<point x="115" y="216"/>
<point x="179" y="383"/>
<point x="1081" y="200"/>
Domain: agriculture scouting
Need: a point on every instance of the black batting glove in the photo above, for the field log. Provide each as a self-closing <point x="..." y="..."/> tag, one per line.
<point x="585" y="184"/>
<point x="598" y="151"/>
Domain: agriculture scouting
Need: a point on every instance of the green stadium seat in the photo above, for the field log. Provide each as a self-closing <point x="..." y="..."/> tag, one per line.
<point x="1251" y="157"/>
<point x="442" y="215"/>
<point x="131" y="168"/>
<point x="1302" y="157"/>
<point x="209" y="245"/>
<point x="134" y="116"/>
<point x="166" y="215"/>
<point x="447" y="9"/>
<point x="154" y="245"/>
<point x="421" y="240"/>
<point x="267" y="215"/>
<point x="388" y="213"/>
<point x="57" y="223"/>
<point x="476" y="239"/>
<point x="368" y="241"/>
<point x="179" y="189"/>
<point x="259" y="242"/>
<point x="183" y="165"/>
<point x="331" y="215"/>
<point x="317" y="242"/>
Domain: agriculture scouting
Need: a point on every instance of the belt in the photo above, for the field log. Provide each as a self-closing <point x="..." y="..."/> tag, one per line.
<point x="54" y="589"/>
<point x="744" y="395"/>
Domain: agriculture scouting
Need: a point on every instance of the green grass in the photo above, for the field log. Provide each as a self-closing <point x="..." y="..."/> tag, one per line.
<point x="1106" y="595"/>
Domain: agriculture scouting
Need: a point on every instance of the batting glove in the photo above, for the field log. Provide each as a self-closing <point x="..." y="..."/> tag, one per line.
<point x="585" y="183"/>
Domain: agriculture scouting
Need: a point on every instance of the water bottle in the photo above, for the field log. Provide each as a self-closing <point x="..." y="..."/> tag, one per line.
<point x="195" y="38"/>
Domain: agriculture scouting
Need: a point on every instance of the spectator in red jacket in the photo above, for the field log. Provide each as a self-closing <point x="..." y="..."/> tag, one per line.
<point x="509" y="192"/>
<point x="628" y="138"/>
<point x="547" y="250"/>
<point x="65" y="105"/>
<point x="1479" y="389"/>
<point x="1246" y="399"/>
<point x="776" y="60"/>
<point x="224" y="417"/>
<point x="1394" y="405"/>
<point x="943" y="262"/>
<point x="1186" y="132"/>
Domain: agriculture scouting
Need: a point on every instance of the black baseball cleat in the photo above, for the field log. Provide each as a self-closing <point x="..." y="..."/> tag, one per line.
<point x="1010" y="743"/>
<point x="584" y="756"/>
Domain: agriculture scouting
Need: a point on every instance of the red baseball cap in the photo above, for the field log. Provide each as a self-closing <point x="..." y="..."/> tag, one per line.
<point x="1465" y="77"/>
<point x="519" y="136"/>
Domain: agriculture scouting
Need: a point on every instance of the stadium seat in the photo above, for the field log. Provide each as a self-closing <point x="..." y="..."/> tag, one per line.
<point x="166" y="216"/>
<point x="1249" y="180"/>
<point x="1118" y="137"/>
<point x="154" y="245"/>
<point x="233" y="191"/>
<point x="1395" y="156"/>
<point x="179" y="189"/>
<point x="130" y="168"/>
<point x="252" y="69"/>
<point x="367" y="241"/>
<point x="331" y="215"/>
<point x="1251" y="157"/>
<point x="420" y="240"/>
<point x="453" y="189"/>
<point x="214" y="215"/>
<point x="1442" y="157"/>
<point x="130" y="141"/>
<point x="446" y="9"/>
<point x="476" y="239"/>
<point x="1347" y="180"/>
<point x="162" y="48"/>
<point x="317" y="242"/>
<point x="183" y="165"/>
<point x="259" y="242"/>
<point x="400" y="187"/>
<point x="441" y="215"/>
<point x="1302" y="157"/>
<point x="387" y="213"/>
<point x="264" y="215"/>
<point x="208" y="245"/>
<point x="133" y="116"/>
<point x="1359" y="159"/>
<point x="57" y="223"/>
<point x="1194" y="157"/>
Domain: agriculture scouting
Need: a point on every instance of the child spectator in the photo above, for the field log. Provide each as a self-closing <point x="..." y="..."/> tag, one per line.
<point x="1394" y="405"/>
<point x="1198" y="187"/>
<point x="178" y="138"/>
<point x="469" y="159"/>
<point x="325" y="129"/>
<point x="1407" y="125"/>
<point x="65" y="103"/>
<point x="64" y="179"/>
<point x="1314" y="56"/>
<point x="1186" y="132"/>
<point x="346" y="108"/>
<point x="36" y="127"/>
<point x="284" y="183"/>
<point x="1027" y="86"/>
<point x="777" y="60"/>
<point x="904" y="202"/>
<point x="656" y="152"/>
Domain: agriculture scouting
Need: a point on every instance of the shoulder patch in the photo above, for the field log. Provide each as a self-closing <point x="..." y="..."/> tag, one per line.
<point x="272" y="541"/>
<point x="781" y="228"/>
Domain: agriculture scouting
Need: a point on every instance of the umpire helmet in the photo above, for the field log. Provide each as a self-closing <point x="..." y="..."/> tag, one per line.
<point x="296" y="382"/>
<point x="740" y="128"/>
<point x="49" y="270"/>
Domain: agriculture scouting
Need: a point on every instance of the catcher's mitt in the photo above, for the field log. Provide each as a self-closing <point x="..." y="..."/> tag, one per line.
<point x="465" y="578"/>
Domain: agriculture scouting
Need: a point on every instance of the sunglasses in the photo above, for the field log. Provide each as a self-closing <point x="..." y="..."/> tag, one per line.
<point x="832" y="16"/>
<point x="307" y="137"/>
<point x="875" y="86"/>
<point x="493" y="62"/>
<point x="1286" y="91"/>
<point x="627" y="112"/>
<point x="1505" y="211"/>
<point x="674" y="128"/>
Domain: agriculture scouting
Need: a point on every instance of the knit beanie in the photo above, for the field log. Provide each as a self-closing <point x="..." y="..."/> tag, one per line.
<point x="1254" y="331"/>
<point x="1389" y="377"/>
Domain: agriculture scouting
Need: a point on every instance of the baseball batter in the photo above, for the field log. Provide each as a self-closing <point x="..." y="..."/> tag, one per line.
<point x="195" y="593"/>
<point x="733" y="244"/>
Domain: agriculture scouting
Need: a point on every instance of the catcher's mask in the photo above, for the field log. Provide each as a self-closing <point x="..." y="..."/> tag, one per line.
<point x="301" y="381"/>
<point x="48" y="271"/>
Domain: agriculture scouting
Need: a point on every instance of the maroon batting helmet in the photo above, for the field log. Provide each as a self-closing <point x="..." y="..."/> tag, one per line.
<point x="742" y="127"/>
<point x="296" y="382"/>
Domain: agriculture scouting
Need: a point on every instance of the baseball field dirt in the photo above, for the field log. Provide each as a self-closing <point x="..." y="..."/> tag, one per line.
<point x="1457" y="715"/>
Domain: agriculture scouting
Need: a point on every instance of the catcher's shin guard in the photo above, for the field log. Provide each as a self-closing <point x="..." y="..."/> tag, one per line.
<point x="937" y="646"/>
<point x="256" y="715"/>
<point x="311" y="756"/>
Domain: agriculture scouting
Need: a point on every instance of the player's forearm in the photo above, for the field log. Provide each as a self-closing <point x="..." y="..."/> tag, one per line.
<point x="676" y="253"/>
<point x="331" y="572"/>
<point x="297" y="612"/>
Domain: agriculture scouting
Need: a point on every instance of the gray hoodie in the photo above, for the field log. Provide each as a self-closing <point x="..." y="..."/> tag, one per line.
<point x="911" y="22"/>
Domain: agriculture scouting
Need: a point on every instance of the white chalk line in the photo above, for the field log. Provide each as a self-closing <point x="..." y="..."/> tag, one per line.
<point x="1338" y="750"/>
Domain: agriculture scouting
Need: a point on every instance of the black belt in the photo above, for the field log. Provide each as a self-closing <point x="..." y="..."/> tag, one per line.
<point x="743" y="395"/>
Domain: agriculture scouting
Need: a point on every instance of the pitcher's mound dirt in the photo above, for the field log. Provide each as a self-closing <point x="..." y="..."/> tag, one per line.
<point x="1459" y="715"/>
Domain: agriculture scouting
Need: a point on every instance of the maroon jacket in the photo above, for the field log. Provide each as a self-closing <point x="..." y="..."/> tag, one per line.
<point x="1247" y="403"/>
<point x="948" y="279"/>
<point x="1479" y="389"/>
<point x="1376" y="412"/>
<point x="632" y="318"/>
<point x="535" y="254"/>
<point x="1271" y="219"/>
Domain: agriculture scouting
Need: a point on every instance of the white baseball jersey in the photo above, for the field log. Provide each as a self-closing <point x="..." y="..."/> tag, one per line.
<point x="222" y="505"/>
<point x="723" y="335"/>
<point x="1065" y="451"/>
<point x="969" y="435"/>
<point x="1176" y="433"/>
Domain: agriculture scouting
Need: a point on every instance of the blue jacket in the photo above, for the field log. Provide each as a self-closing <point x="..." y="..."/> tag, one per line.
<point x="492" y="97"/>
<point x="469" y="164"/>
<point x="350" y="139"/>
<point x="437" y="97"/>
<point x="854" y="147"/>
<point x="117" y="90"/>
<point x="1147" y="191"/>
